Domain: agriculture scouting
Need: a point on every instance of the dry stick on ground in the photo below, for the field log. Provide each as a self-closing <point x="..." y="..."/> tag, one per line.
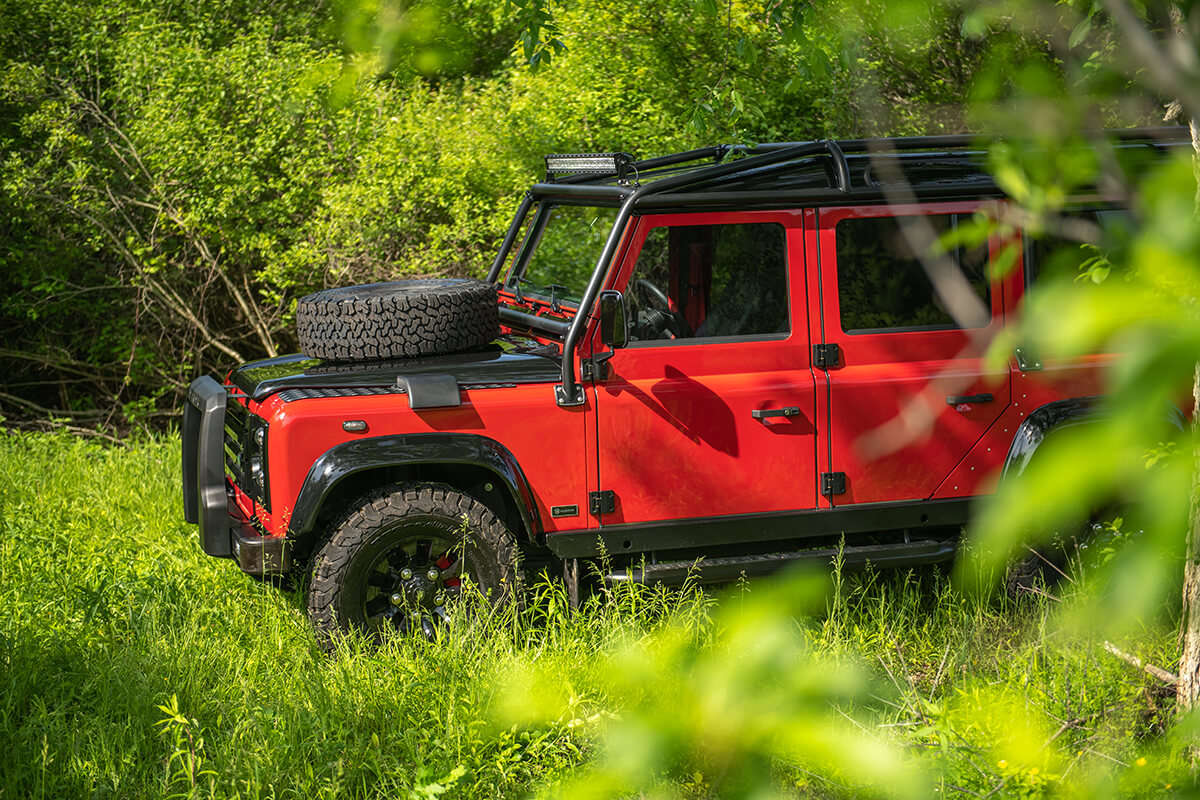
<point x="1073" y="723"/>
<point x="1040" y="593"/>
<point x="937" y="679"/>
<point x="1158" y="672"/>
<point x="50" y="412"/>
<point x="1051" y="564"/>
<point x="49" y="425"/>
<point x="996" y="789"/>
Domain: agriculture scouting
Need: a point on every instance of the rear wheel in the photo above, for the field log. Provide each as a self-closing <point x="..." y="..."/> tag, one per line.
<point x="401" y="559"/>
<point x="1036" y="569"/>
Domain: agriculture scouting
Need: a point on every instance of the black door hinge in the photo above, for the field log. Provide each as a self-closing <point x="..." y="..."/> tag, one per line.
<point x="826" y="355"/>
<point x="595" y="368"/>
<point x="602" y="502"/>
<point x="833" y="483"/>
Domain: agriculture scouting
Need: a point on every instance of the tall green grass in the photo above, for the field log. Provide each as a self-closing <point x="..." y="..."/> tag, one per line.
<point x="131" y="665"/>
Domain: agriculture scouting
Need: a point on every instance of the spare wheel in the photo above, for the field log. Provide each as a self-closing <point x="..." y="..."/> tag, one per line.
<point x="400" y="319"/>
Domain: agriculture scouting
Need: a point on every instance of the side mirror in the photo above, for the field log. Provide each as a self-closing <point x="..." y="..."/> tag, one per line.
<point x="614" y="323"/>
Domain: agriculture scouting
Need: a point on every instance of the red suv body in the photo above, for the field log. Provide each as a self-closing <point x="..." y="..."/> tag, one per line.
<point x="777" y="374"/>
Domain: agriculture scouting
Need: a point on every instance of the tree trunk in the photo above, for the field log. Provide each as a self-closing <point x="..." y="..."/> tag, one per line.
<point x="1187" y="690"/>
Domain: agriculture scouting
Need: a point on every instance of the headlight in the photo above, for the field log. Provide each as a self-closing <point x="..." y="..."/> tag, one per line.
<point x="256" y="472"/>
<point x="254" y="459"/>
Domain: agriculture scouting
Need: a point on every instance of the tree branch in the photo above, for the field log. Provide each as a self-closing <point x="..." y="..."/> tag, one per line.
<point x="1158" y="672"/>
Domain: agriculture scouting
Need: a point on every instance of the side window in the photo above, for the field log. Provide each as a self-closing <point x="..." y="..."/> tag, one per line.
<point x="882" y="284"/>
<point x="1064" y="251"/>
<point x="699" y="281"/>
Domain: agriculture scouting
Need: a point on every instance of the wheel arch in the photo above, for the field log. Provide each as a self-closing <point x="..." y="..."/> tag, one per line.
<point x="467" y="462"/>
<point x="1056" y="416"/>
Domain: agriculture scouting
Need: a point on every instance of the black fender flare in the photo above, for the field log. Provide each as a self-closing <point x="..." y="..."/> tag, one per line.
<point x="1060" y="414"/>
<point x="346" y="459"/>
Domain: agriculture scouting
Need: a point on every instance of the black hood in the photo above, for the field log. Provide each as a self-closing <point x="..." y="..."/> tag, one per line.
<point x="507" y="360"/>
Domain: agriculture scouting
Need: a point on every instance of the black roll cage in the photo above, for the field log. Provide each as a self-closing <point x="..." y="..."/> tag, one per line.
<point x="679" y="171"/>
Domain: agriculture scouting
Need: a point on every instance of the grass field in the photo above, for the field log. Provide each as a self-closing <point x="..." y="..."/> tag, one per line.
<point x="131" y="665"/>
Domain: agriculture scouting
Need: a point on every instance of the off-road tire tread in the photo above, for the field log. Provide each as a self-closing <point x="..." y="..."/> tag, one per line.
<point x="1036" y="572"/>
<point x="402" y="319"/>
<point x="379" y="508"/>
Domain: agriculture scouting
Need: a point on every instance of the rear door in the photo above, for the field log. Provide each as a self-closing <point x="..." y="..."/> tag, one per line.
<point x="909" y="393"/>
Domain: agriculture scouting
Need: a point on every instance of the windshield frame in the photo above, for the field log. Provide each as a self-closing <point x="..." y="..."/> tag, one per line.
<point x="509" y="280"/>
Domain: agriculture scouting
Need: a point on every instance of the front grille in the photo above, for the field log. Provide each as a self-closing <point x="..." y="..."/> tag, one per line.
<point x="235" y="432"/>
<point x="241" y="452"/>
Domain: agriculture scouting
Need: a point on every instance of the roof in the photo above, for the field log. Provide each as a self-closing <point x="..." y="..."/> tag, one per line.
<point x="784" y="173"/>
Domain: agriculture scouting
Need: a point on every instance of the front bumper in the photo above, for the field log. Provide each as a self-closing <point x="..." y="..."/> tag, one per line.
<point x="208" y="498"/>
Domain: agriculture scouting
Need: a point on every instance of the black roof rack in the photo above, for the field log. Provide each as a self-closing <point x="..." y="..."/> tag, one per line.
<point x="938" y="161"/>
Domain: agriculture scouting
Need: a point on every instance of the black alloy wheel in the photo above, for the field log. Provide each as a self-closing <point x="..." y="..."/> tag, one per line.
<point x="399" y="560"/>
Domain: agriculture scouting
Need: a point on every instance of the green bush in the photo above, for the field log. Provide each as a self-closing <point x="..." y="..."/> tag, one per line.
<point x="175" y="177"/>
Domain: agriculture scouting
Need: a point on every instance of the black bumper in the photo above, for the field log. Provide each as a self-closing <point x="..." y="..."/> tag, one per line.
<point x="207" y="497"/>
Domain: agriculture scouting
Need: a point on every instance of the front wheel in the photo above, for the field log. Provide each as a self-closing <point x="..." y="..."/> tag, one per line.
<point x="398" y="562"/>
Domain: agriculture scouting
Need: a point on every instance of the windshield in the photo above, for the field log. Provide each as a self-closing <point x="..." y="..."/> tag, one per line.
<point x="561" y="247"/>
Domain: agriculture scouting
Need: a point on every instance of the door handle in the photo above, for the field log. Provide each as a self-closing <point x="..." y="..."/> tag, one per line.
<point x="960" y="399"/>
<point x="763" y="414"/>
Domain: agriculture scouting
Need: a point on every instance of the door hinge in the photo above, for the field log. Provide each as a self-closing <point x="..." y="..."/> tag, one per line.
<point x="826" y="355"/>
<point x="602" y="502"/>
<point x="595" y="368"/>
<point x="833" y="483"/>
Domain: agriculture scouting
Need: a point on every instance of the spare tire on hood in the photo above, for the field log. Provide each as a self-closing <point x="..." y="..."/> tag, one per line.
<point x="400" y="319"/>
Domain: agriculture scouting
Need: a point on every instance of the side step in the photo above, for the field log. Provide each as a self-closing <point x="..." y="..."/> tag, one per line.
<point x="718" y="570"/>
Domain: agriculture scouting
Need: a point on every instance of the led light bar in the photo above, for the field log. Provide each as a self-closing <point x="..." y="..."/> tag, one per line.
<point x="592" y="163"/>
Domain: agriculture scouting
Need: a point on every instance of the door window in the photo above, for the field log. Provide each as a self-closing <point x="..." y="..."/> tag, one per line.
<point x="883" y="284"/>
<point x="707" y="281"/>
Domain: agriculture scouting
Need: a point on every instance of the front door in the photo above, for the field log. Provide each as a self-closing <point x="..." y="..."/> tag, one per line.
<point x="709" y="410"/>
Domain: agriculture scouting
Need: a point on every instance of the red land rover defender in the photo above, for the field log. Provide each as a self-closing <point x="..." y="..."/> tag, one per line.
<point x="709" y="362"/>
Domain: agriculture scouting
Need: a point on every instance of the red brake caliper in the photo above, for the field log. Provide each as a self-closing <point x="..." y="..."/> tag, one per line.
<point x="443" y="564"/>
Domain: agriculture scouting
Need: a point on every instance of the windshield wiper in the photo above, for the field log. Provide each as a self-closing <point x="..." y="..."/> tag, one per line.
<point x="552" y="289"/>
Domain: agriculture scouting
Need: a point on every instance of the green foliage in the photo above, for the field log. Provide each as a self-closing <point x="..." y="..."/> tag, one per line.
<point x="175" y="177"/>
<point x="728" y="702"/>
<point x="219" y="160"/>
<point x="133" y="665"/>
<point x="170" y="189"/>
<point x="1126" y="288"/>
<point x="538" y="31"/>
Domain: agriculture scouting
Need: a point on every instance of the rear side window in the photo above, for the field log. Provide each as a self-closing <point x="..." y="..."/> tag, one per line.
<point x="882" y="283"/>
<point x="1080" y="235"/>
